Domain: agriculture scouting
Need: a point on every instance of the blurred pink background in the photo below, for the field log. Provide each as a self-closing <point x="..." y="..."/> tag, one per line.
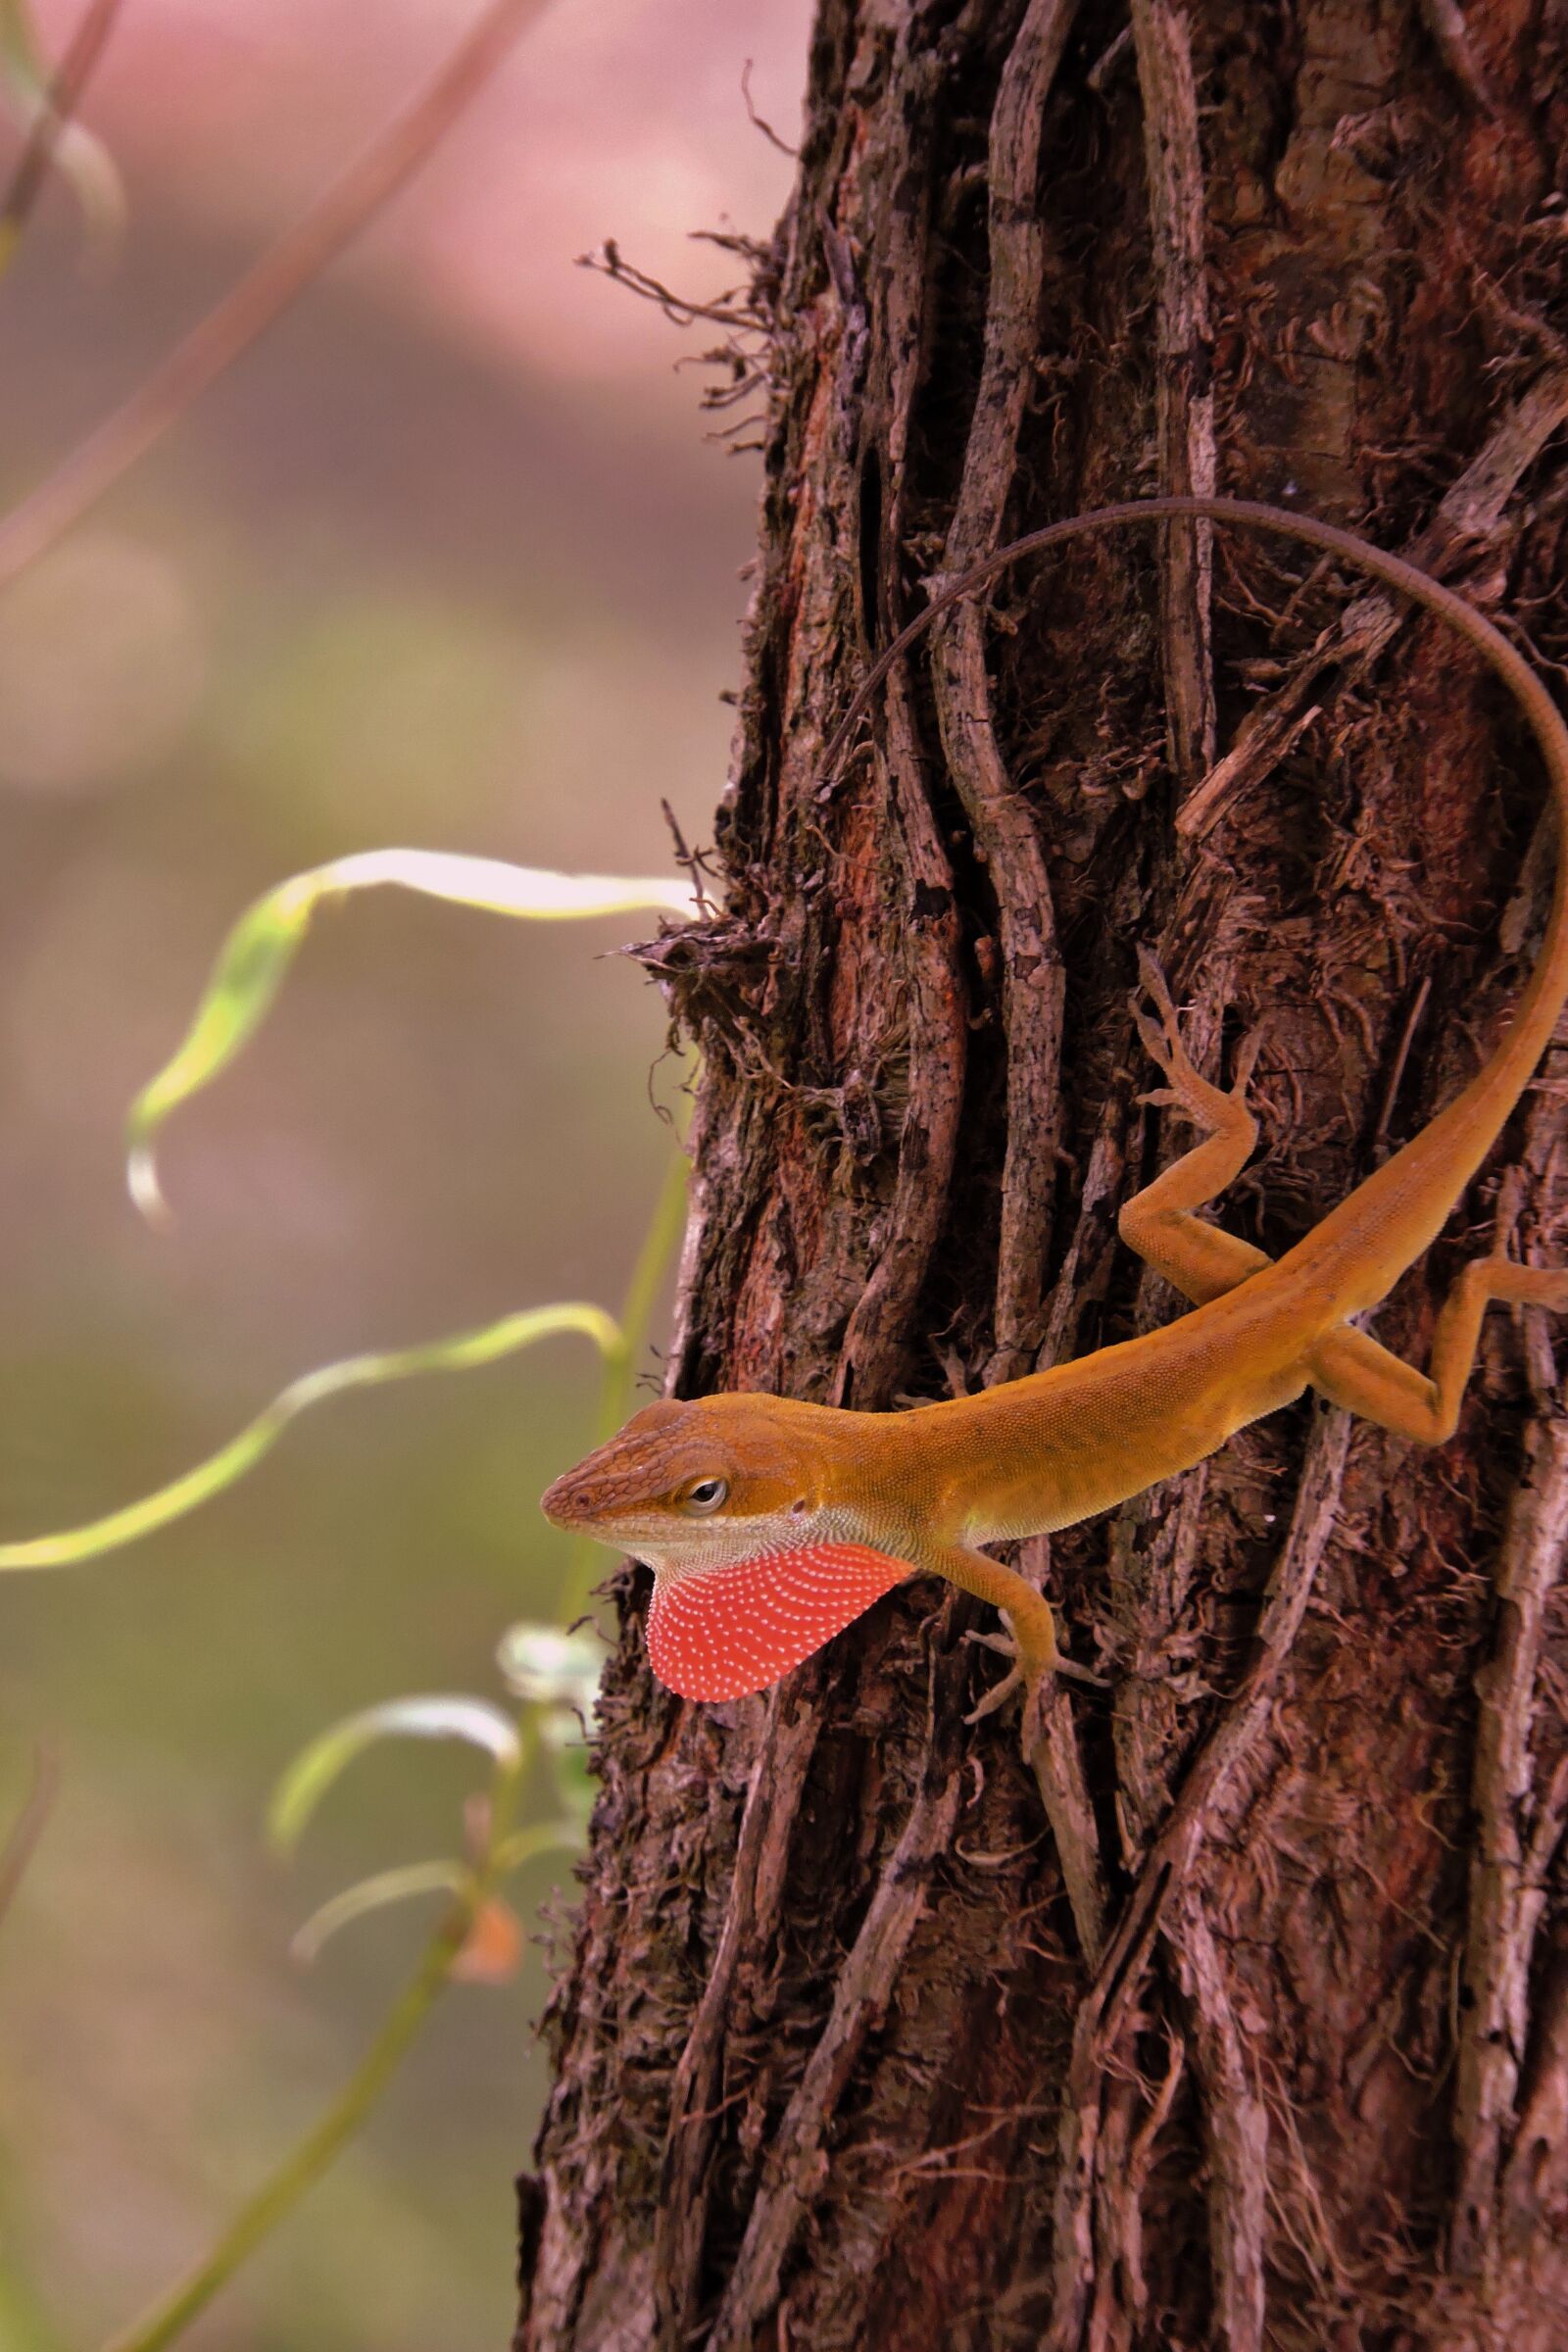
<point x="445" y="561"/>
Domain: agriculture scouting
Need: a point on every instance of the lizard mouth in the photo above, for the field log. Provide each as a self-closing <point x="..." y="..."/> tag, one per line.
<point x="558" y="1502"/>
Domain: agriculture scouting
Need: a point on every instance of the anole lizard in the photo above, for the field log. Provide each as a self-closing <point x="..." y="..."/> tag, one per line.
<point x="771" y="1524"/>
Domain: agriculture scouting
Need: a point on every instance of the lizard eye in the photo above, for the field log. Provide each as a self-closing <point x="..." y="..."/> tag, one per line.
<point x="707" y="1495"/>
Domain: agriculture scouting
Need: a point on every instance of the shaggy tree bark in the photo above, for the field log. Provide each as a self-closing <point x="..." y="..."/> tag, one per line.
<point x="1261" y="2036"/>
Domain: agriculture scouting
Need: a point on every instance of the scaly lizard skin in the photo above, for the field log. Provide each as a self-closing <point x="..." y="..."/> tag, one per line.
<point x="771" y="1523"/>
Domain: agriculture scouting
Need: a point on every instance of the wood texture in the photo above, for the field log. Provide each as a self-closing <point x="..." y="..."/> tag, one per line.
<point x="1264" y="2043"/>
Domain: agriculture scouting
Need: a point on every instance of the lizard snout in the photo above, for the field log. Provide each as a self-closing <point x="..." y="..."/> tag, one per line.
<point x="570" y="1500"/>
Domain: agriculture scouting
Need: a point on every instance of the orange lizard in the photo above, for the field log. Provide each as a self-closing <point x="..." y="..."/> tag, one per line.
<point x="771" y="1524"/>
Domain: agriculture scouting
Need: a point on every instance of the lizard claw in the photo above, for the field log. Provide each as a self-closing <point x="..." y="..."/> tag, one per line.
<point x="1000" y="1692"/>
<point x="1033" y="1692"/>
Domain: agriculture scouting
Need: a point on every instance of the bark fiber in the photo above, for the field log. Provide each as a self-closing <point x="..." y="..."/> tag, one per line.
<point x="1262" y="2040"/>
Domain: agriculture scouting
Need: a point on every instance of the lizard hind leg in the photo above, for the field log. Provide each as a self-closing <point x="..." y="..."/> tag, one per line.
<point x="1351" y="1369"/>
<point x="1159" y="1223"/>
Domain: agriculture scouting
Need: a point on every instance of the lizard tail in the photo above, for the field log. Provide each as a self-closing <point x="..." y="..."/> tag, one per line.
<point x="1357" y="1251"/>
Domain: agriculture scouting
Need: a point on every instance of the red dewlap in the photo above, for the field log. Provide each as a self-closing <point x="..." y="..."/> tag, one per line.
<point x="723" y="1633"/>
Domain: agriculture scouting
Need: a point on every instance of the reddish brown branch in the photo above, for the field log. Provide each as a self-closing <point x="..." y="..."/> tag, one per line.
<point x="1235" y="2128"/>
<point x="876" y="1342"/>
<point x="64" y="95"/>
<point x="1064" y="1793"/>
<point x="1507" y="1900"/>
<point x="282" y="273"/>
<point x="792" y="2178"/>
<point x="1109" y="2005"/>
<point x="21" y="1844"/>
<point x="757" y="120"/>
<point x="778" y="1774"/>
<point x="724" y="310"/>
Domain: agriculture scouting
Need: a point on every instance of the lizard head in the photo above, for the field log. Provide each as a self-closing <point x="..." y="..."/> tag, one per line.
<point x="696" y="1483"/>
<point x="739" y="1505"/>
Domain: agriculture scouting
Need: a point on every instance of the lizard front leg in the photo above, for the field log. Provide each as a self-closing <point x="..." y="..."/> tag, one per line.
<point x="1031" y="1640"/>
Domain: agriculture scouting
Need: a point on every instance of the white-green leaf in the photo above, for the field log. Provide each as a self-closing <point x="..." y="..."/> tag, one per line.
<point x="465" y="1351"/>
<point x="560" y="1734"/>
<point x="257" y="953"/>
<point x="541" y="1663"/>
<point x="313" y="1772"/>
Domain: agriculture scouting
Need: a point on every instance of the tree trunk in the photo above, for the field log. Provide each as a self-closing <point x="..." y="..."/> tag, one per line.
<point x="1254" y="2031"/>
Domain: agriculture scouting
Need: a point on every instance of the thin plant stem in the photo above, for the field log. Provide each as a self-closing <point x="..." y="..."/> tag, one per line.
<point x="283" y="272"/>
<point x="619" y="1360"/>
<point x="539" y="1837"/>
<point x="30" y="1825"/>
<point x="665" y="1229"/>
<point x="256" y="2220"/>
<point x="167" y="2319"/>
<point x="64" y="95"/>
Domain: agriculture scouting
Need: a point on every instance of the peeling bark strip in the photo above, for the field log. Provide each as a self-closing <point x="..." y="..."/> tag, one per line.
<point x="777" y="1774"/>
<point x="1184" y="382"/>
<point x="866" y="1984"/>
<point x="1508" y="1899"/>
<point x="1248" y="2027"/>
<point x="1004" y="837"/>
<point x="1069" y="1809"/>
<point x="1237" y="2134"/>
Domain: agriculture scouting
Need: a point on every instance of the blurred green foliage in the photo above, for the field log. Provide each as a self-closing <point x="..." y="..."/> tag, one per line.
<point x="406" y="574"/>
<point x="553" y="1669"/>
<point x="440" y="1116"/>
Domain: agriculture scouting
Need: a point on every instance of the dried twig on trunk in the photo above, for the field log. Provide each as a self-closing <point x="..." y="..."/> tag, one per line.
<point x="1470" y="516"/>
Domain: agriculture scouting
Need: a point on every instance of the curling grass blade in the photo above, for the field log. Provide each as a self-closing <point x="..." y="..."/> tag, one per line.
<point x="375" y="1895"/>
<point x="463" y="1353"/>
<point x="314" y="1771"/>
<point x="257" y="953"/>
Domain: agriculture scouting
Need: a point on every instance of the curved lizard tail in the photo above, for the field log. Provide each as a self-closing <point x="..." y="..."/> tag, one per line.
<point x="1357" y="1252"/>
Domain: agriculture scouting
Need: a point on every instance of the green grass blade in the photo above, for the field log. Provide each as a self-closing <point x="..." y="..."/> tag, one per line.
<point x="501" y="888"/>
<point x="375" y="1895"/>
<point x="540" y="1838"/>
<point x="257" y="953"/>
<point x="251" y="967"/>
<point x="463" y="1352"/>
<point x="315" y="1768"/>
